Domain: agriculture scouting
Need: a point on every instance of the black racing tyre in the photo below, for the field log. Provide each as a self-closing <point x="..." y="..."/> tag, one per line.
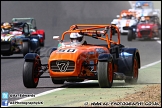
<point x="134" y="78"/>
<point x="105" y="74"/>
<point x="35" y="44"/>
<point x="31" y="74"/>
<point x="57" y="81"/>
<point x="25" y="48"/>
<point x="130" y="34"/>
<point x="134" y="35"/>
<point x="37" y="48"/>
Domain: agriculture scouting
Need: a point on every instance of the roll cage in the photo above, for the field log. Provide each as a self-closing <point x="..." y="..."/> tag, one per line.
<point x="95" y="31"/>
<point x="23" y="25"/>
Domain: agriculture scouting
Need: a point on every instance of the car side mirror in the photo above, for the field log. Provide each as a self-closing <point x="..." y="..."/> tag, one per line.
<point x="117" y="16"/>
<point x="56" y="37"/>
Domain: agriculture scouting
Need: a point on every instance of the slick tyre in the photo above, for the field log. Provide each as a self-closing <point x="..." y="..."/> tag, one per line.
<point x="130" y="34"/>
<point x="38" y="47"/>
<point x="57" y="81"/>
<point x="105" y="74"/>
<point x="31" y="74"/>
<point x="134" y="78"/>
<point x="25" y="48"/>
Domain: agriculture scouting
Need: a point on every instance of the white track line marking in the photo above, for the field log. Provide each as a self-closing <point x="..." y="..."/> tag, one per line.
<point x="151" y="64"/>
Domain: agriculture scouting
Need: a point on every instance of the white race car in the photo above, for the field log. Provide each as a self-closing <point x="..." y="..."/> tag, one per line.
<point x="125" y="20"/>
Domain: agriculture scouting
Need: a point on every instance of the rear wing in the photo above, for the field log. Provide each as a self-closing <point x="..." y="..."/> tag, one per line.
<point x="95" y="31"/>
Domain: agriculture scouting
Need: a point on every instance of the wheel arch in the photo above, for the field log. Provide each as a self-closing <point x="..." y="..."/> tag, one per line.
<point x="53" y="49"/>
<point x="29" y="57"/>
<point x="105" y="57"/>
<point x="125" y="63"/>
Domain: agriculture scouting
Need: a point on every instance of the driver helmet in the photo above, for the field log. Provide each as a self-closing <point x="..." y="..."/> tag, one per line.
<point x="76" y="37"/>
<point x="6" y="25"/>
<point x="142" y="19"/>
<point x="5" y="28"/>
<point x="124" y="15"/>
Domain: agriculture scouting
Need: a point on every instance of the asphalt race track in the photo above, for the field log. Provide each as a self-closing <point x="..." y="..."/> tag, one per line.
<point x="55" y="17"/>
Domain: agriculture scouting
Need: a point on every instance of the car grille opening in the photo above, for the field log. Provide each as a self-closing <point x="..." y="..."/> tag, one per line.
<point x="145" y="32"/>
<point x="62" y="66"/>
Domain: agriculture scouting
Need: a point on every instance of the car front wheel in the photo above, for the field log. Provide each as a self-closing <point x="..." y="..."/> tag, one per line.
<point x="31" y="74"/>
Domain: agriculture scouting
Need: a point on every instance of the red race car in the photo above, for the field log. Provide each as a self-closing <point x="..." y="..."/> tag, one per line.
<point x="145" y="29"/>
<point x="33" y="28"/>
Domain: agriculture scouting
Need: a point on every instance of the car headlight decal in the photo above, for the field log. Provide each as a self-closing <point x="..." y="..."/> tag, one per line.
<point x="145" y="26"/>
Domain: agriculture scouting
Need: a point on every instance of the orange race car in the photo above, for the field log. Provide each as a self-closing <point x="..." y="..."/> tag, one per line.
<point x="76" y="62"/>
